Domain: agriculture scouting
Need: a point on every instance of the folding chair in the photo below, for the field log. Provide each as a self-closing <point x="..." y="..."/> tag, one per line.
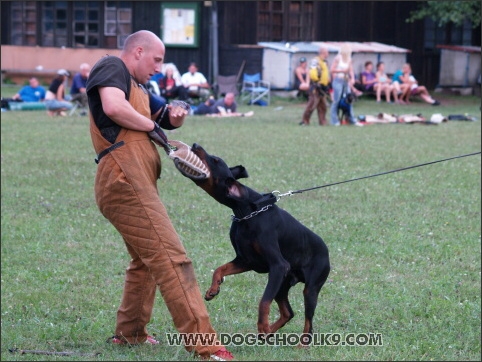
<point x="255" y="89"/>
<point x="227" y="84"/>
<point x="78" y="109"/>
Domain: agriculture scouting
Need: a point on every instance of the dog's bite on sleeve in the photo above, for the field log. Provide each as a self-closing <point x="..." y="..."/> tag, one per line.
<point x="189" y="164"/>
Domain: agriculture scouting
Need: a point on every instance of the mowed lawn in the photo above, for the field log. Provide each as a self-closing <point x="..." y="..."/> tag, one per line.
<point x="405" y="247"/>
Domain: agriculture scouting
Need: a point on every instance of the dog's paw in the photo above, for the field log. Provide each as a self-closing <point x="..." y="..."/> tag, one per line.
<point x="266" y="337"/>
<point x="210" y="294"/>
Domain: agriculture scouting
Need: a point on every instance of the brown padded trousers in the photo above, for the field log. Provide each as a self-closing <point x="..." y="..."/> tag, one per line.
<point x="126" y="194"/>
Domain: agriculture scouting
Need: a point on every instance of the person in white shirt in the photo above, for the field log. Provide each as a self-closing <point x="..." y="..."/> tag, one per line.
<point x="196" y="83"/>
<point x="343" y="78"/>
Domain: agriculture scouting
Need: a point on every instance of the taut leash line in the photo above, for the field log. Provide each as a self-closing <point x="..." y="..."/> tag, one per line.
<point x="289" y="193"/>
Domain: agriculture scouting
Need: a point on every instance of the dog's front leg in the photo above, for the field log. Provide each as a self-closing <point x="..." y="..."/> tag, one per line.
<point x="233" y="267"/>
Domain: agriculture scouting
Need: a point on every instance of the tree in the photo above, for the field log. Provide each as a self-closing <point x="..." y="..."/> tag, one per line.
<point x="444" y="12"/>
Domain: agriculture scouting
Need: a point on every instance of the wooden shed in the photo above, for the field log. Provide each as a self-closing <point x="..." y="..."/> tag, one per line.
<point x="459" y="65"/>
<point x="280" y="59"/>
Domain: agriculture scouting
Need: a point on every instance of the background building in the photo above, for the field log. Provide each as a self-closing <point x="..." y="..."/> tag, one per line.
<point x="223" y="35"/>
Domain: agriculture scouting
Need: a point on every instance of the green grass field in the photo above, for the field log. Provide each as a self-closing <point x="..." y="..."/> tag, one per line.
<point x="405" y="247"/>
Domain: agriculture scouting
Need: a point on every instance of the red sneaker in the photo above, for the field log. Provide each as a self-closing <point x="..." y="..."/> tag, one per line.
<point x="222" y="355"/>
<point x="117" y="340"/>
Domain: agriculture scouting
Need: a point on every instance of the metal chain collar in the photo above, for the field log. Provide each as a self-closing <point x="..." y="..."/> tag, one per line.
<point x="254" y="213"/>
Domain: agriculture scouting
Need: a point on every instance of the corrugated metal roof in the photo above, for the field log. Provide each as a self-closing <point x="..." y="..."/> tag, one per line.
<point x="333" y="47"/>
<point x="461" y="48"/>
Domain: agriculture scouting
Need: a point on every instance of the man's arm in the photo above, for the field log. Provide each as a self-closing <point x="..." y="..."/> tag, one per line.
<point x="203" y="83"/>
<point x="298" y="75"/>
<point x="19" y="95"/>
<point x="78" y="83"/>
<point x="117" y="108"/>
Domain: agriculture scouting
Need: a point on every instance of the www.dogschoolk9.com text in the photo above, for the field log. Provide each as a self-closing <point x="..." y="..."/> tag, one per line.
<point x="276" y="339"/>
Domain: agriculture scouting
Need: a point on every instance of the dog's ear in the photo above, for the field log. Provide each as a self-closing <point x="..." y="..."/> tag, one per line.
<point x="239" y="172"/>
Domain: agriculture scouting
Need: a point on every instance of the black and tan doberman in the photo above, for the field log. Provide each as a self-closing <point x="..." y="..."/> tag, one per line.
<point x="266" y="239"/>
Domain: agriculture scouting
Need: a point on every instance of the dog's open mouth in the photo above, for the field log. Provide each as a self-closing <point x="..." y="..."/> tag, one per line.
<point x="188" y="163"/>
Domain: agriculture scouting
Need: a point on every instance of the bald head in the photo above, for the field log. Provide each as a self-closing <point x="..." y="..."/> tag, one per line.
<point x="140" y="38"/>
<point x="229" y="98"/>
<point x="323" y="52"/>
<point x="85" y="70"/>
<point x="143" y="55"/>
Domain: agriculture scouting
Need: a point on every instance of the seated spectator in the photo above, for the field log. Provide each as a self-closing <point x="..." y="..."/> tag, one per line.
<point x="33" y="92"/>
<point x="418" y="90"/>
<point x="79" y="81"/>
<point x="399" y="86"/>
<point x="368" y="78"/>
<point x="195" y="83"/>
<point x="302" y="79"/>
<point x="412" y="88"/>
<point x="171" y="87"/>
<point x="383" y="83"/>
<point x="55" y="98"/>
<point x="153" y="84"/>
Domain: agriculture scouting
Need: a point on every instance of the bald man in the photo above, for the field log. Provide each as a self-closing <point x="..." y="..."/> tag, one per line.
<point x="79" y="82"/>
<point x="319" y="80"/>
<point x="125" y="126"/>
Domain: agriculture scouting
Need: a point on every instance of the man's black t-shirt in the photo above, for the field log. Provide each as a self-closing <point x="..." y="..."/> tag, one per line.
<point x="110" y="71"/>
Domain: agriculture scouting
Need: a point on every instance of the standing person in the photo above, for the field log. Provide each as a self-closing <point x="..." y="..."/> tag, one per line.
<point x="55" y="101"/>
<point x="319" y="81"/>
<point x="343" y="79"/>
<point x="195" y="83"/>
<point x="124" y="136"/>
<point x="79" y="82"/>
<point x="302" y="78"/>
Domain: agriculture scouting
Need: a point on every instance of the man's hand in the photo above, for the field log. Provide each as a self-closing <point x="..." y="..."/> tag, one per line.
<point x="178" y="110"/>
<point x="159" y="138"/>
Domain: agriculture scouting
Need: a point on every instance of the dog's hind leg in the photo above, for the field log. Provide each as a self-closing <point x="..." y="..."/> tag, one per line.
<point x="218" y="276"/>
<point x="310" y="296"/>
<point x="276" y="277"/>
<point x="312" y="289"/>
<point x="285" y="311"/>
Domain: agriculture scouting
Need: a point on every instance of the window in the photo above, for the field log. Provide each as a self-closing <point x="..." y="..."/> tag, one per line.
<point x="24" y="23"/>
<point x="54" y="23"/>
<point x="285" y="21"/>
<point x="450" y="34"/>
<point x="462" y="35"/>
<point x="300" y="21"/>
<point x="117" y="23"/>
<point x="270" y="21"/>
<point x="86" y="24"/>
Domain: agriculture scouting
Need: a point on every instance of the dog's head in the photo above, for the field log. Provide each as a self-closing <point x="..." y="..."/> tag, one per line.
<point x="350" y="97"/>
<point x="345" y="102"/>
<point x="222" y="182"/>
